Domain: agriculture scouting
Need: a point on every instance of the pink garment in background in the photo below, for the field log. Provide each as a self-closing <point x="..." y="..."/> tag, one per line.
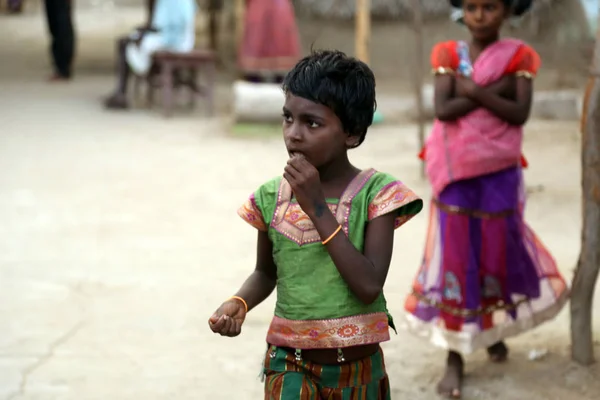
<point x="271" y="41"/>
<point x="479" y="143"/>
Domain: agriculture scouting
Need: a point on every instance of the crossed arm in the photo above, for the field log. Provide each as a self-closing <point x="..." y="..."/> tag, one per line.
<point x="509" y="98"/>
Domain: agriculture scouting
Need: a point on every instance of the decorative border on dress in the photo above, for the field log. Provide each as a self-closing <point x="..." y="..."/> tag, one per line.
<point x="342" y="212"/>
<point x="335" y="333"/>
<point x="451" y="209"/>
<point x="350" y="193"/>
<point x="392" y="197"/>
<point x="250" y="213"/>
<point x="469" y="342"/>
<point x="463" y="312"/>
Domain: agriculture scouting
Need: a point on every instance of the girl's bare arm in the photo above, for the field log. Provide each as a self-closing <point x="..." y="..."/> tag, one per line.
<point x="448" y="107"/>
<point x="514" y="111"/>
<point x="365" y="273"/>
<point x="261" y="283"/>
<point x="450" y="104"/>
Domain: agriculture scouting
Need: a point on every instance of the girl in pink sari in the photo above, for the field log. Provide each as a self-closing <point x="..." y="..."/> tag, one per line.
<point x="485" y="275"/>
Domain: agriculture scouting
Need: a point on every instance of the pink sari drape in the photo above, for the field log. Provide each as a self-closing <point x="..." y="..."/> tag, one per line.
<point x="479" y="143"/>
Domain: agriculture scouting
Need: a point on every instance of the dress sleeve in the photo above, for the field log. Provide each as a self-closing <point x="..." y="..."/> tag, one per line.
<point x="258" y="209"/>
<point x="252" y="214"/>
<point x="444" y="59"/>
<point x="397" y="198"/>
<point x="526" y="62"/>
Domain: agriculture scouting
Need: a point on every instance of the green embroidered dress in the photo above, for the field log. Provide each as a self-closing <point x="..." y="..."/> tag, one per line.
<point x="315" y="309"/>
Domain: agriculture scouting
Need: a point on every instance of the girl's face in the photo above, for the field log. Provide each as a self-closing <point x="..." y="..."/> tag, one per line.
<point x="314" y="131"/>
<point x="484" y="18"/>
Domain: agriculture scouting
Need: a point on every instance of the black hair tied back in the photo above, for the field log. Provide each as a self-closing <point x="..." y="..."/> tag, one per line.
<point x="517" y="7"/>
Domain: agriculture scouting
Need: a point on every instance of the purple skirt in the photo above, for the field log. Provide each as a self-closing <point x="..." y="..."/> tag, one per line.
<point x="485" y="275"/>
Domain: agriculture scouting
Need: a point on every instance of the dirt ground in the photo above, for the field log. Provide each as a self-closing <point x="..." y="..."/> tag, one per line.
<point x="119" y="237"/>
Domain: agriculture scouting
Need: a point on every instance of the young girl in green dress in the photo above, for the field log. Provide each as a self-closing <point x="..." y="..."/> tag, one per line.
<point x="325" y="240"/>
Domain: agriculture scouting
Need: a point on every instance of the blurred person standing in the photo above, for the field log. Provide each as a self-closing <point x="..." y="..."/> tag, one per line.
<point x="62" y="48"/>
<point x="271" y="44"/>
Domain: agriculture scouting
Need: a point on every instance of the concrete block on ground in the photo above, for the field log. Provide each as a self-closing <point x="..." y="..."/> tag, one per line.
<point x="553" y="105"/>
<point x="257" y="102"/>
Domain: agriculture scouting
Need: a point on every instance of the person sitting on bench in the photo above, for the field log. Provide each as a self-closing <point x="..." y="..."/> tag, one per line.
<point x="171" y="27"/>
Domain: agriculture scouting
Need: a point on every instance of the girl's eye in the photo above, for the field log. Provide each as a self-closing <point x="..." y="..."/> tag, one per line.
<point x="313" y="125"/>
<point x="287" y="118"/>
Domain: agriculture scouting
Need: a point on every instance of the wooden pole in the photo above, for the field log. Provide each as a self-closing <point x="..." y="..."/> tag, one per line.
<point x="363" y="30"/>
<point x="240" y="9"/>
<point x="588" y="267"/>
<point x="213" y="28"/>
<point x="561" y="70"/>
<point x="418" y="69"/>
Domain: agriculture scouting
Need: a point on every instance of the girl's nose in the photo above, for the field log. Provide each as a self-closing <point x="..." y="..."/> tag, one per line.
<point x="479" y="14"/>
<point x="294" y="132"/>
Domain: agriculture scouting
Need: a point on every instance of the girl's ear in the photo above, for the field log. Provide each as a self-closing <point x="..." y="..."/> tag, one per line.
<point x="352" y="141"/>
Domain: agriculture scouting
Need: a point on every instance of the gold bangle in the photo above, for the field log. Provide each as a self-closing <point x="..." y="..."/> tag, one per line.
<point x="324" y="242"/>
<point x="442" y="71"/>
<point x="240" y="299"/>
<point x="524" y="74"/>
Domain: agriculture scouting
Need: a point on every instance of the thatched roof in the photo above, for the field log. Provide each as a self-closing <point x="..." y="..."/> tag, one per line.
<point x="392" y="9"/>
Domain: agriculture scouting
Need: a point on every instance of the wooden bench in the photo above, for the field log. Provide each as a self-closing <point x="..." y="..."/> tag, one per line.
<point x="171" y="71"/>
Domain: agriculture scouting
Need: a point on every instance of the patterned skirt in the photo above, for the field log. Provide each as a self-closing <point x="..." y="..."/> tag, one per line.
<point x="291" y="379"/>
<point x="485" y="275"/>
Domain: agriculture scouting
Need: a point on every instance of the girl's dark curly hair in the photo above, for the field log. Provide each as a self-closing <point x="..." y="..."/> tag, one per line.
<point x="342" y="83"/>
